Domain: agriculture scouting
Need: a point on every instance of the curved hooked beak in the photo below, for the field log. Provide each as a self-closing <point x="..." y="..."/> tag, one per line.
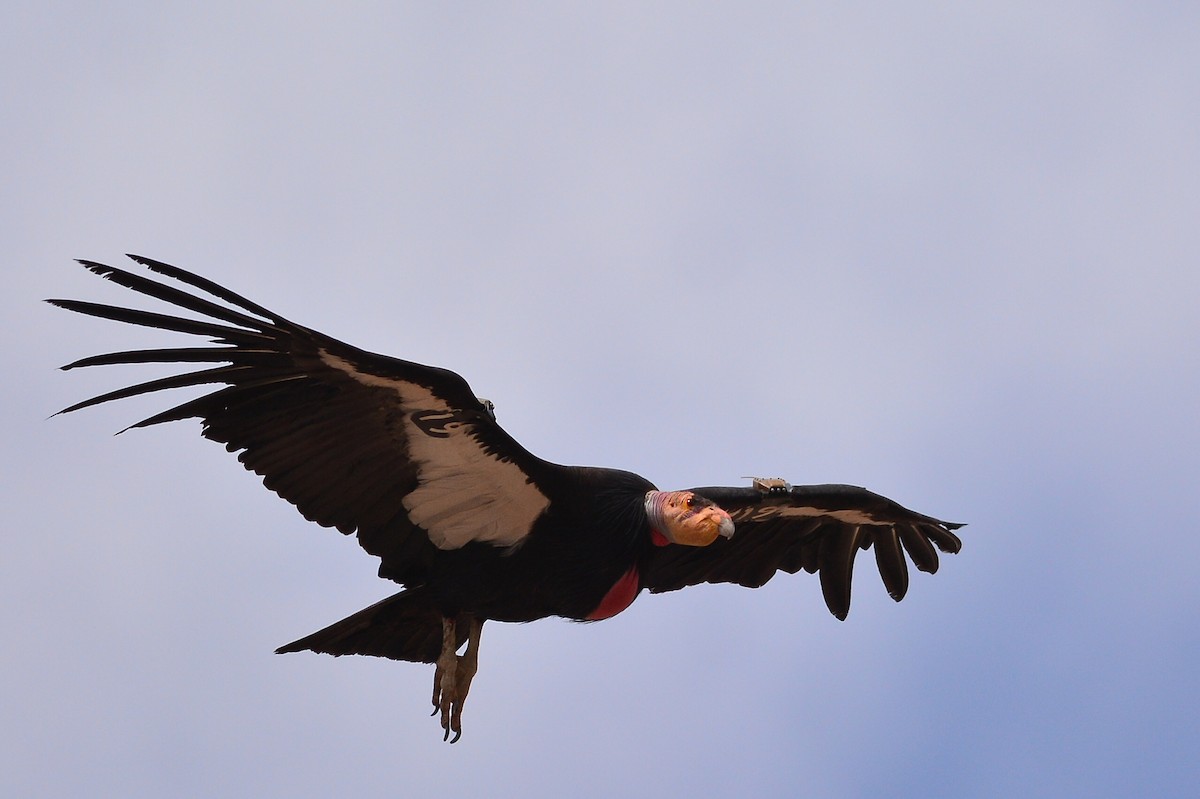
<point x="708" y="523"/>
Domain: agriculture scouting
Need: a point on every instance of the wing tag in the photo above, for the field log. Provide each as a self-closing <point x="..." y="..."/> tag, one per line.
<point x="438" y="424"/>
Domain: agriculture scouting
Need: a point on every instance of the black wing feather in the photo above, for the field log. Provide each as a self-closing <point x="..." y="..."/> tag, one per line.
<point x="172" y="295"/>
<point x="237" y="355"/>
<point x="820" y="529"/>
<point x="230" y="335"/>
<point x="892" y="565"/>
<point x="206" y="285"/>
<point x="219" y="374"/>
<point x="837" y="550"/>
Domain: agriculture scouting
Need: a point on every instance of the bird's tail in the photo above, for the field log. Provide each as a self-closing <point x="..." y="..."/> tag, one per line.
<point x="405" y="626"/>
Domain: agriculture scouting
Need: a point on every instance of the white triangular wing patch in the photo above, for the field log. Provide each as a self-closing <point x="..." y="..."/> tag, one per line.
<point x="464" y="493"/>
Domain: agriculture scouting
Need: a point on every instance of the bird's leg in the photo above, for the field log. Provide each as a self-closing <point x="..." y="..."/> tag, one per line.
<point x="468" y="664"/>
<point x="453" y="675"/>
<point x="446" y="662"/>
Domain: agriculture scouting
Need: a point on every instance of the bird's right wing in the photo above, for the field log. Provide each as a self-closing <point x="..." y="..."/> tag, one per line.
<point x="404" y="455"/>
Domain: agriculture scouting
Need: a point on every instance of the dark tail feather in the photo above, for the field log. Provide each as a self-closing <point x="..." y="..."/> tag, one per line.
<point x="405" y="626"/>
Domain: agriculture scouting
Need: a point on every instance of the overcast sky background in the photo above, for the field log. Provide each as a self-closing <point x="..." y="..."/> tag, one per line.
<point x="947" y="254"/>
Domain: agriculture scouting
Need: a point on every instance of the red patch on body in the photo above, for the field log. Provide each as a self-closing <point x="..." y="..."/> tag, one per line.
<point x="619" y="597"/>
<point x="658" y="539"/>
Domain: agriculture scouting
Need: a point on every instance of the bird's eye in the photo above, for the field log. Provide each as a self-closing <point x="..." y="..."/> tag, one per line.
<point x="693" y="501"/>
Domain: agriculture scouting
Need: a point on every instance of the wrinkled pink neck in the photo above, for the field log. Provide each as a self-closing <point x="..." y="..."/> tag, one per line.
<point x="654" y="512"/>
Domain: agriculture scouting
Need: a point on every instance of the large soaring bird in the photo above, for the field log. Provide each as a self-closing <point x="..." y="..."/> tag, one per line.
<point x="472" y="525"/>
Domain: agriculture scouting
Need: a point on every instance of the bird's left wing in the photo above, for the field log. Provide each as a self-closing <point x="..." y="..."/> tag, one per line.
<point x="818" y="528"/>
<point x="404" y="455"/>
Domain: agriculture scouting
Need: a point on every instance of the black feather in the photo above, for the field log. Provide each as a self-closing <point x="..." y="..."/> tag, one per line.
<point x="206" y="285"/>
<point x="837" y="568"/>
<point x="893" y="568"/>
<point x="173" y="295"/>
<point x="238" y="355"/>
<point x="231" y="335"/>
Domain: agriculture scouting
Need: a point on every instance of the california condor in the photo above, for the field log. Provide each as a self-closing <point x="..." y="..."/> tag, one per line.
<point x="472" y="525"/>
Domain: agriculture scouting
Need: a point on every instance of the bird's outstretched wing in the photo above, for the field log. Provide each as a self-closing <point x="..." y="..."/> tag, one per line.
<point x="816" y="528"/>
<point x="404" y="455"/>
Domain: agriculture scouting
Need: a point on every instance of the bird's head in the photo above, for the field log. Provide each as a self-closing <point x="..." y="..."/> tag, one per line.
<point x="683" y="517"/>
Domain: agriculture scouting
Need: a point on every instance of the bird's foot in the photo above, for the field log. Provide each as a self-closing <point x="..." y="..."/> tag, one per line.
<point x="452" y="678"/>
<point x="451" y="682"/>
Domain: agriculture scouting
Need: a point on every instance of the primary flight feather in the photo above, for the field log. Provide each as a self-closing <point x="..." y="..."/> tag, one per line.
<point x="475" y="527"/>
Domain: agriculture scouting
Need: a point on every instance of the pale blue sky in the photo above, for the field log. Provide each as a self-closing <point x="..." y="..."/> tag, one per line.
<point x="948" y="253"/>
